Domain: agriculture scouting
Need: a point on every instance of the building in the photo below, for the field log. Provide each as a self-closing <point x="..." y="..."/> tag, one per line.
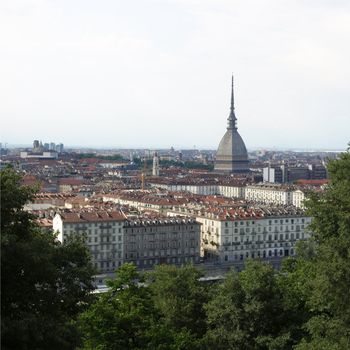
<point x="269" y="193"/>
<point x="103" y="231"/>
<point x="273" y="174"/>
<point x="69" y="184"/>
<point x="161" y="241"/>
<point x="155" y="169"/>
<point x="232" y="154"/>
<point x="113" y="239"/>
<point x="237" y="234"/>
<point x="285" y="173"/>
<point x="298" y="198"/>
<point x="39" y="155"/>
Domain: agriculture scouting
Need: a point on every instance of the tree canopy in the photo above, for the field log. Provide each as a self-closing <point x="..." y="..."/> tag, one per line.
<point x="44" y="284"/>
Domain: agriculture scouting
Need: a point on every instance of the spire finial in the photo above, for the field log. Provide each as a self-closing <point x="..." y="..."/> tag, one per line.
<point x="232" y="96"/>
<point x="232" y="117"/>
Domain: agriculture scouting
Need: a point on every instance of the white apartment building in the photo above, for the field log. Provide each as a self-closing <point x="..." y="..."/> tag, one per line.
<point x="231" y="191"/>
<point x="236" y="235"/>
<point x="271" y="194"/>
<point x="205" y="190"/>
<point x="104" y="235"/>
<point x="160" y="204"/>
<point x="298" y="198"/>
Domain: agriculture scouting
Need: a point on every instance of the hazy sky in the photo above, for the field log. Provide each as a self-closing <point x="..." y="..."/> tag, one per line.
<point x="156" y="73"/>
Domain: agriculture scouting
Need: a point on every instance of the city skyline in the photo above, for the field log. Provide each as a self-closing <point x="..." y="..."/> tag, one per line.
<point x="151" y="74"/>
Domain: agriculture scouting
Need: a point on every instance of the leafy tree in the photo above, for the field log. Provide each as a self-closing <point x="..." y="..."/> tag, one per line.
<point x="44" y="284"/>
<point x="122" y="318"/>
<point x="248" y="311"/>
<point x="163" y="312"/>
<point x="329" y="281"/>
<point x="179" y="298"/>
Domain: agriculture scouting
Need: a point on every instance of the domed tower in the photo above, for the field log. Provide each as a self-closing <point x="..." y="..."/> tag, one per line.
<point x="231" y="156"/>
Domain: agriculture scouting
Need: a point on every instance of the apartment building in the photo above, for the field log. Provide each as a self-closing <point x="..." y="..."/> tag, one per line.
<point x="113" y="239"/>
<point x="161" y="241"/>
<point x="103" y="231"/>
<point x="240" y="233"/>
<point x="269" y="193"/>
<point x="203" y="189"/>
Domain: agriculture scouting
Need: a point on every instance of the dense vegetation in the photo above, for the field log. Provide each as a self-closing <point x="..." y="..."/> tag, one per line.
<point x="306" y="305"/>
<point x="188" y="164"/>
<point x="113" y="157"/>
<point x="44" y="284"/>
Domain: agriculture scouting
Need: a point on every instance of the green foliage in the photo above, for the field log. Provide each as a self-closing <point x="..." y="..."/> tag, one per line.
<point x="179" y="298"/>
<point x="44" y="284"/>
<point x="168" y="163"/>
<point x="113" y="157"/>
<point x="329" y="281"/>
<point x="249" y="312"/>
<point x="136" y="314"/>
<point x="121" y="318"/>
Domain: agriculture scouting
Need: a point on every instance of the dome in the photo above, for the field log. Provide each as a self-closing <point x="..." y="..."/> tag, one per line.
<point x="232" y="145"/>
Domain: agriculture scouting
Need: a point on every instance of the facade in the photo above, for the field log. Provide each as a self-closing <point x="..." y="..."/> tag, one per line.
<point x="155" y="169"/>
<point x="232" y="154"/>
<point x="260" y="232"/>
<point x="204" y="189"/>
<point x="284" y="173"/>
<point x="168" y="241"/>
<point x="41" y="155"/>
<point x="269" y="193"/>
<point x="254" y="237"/>
<point x="298" y="198"/>
<point x="273" y="174"/>
<point x="113" y="239"/>
<point x="104" y="235"/>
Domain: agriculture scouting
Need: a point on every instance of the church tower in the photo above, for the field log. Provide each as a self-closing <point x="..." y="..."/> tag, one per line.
<point x="231" y="156"/>
<point x="155" y="169"/>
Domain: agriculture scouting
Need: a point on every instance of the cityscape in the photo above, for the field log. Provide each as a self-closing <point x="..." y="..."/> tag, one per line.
<point x="152" y="199"/>
<point x="227" y="205"/>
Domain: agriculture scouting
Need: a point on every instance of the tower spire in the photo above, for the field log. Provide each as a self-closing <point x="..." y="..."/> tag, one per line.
<point x="232" y="120"/>
<point x="232" y="97"/>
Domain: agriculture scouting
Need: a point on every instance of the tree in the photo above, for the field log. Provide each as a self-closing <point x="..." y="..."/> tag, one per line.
<point x="179" y="298"/>
<point x="44" y="284"/>
<point x="248" y="311"/>
<point x="328" y="283"/>
<point x="162" y="312"/>
<point x="122" y="318"/>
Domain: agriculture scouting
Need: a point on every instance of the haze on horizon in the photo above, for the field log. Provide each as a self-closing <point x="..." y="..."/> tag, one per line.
<point x="156" y="73"/>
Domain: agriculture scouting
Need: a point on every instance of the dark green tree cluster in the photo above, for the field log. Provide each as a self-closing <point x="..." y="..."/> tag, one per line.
<point x="161" y="310"/>
<point x="44" y="284"/>
<point x="113" y="157"/>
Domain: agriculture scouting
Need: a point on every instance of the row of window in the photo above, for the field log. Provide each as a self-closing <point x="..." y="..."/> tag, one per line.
<point x="155" y="245"/>
<point x="163" y="230"/>
<point x="83" y="225"/>
<point x="275" y="237"/>
<point x="166" y="252"/>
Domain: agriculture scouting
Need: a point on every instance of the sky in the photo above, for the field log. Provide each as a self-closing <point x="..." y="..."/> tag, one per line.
<point x="157" y="73"/>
